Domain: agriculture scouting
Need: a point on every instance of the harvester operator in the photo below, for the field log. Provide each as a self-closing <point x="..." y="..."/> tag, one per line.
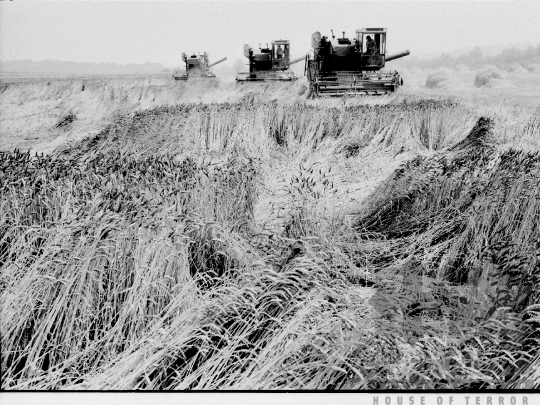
<point x="371" y="45"/>
<point x="322" y="50"/>
<point x="279" y="52"/>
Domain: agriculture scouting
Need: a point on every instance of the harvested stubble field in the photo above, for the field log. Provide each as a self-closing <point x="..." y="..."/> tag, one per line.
<point x="252" y="239"/>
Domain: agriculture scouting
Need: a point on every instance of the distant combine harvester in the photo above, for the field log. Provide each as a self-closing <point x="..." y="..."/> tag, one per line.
<point x="196" y="66"/>
<point x="269" y="64"/>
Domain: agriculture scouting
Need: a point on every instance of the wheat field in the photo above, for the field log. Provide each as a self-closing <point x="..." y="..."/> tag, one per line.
<point x="212" y="236"/>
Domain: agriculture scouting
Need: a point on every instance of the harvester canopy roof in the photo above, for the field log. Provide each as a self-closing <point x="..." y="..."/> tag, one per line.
<point x="280" y="42"/>
<point x="371" y="30"/>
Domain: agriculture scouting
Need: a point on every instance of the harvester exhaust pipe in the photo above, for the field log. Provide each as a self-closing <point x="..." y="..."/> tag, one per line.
<point x="397" y="55"/>
<point x="215" y="63"/>
<point x="333" y="37"/>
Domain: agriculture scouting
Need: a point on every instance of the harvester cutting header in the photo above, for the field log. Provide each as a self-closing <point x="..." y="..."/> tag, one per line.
<point x="344" y="66"/>
<point x="196" y="66"/>
<point x="269" y="64"/>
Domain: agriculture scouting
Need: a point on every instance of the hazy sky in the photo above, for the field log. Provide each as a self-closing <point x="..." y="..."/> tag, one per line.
<point x="138" y="32"/>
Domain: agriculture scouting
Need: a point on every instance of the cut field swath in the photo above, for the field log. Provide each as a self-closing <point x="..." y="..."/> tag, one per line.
<point x="217" y="246"/>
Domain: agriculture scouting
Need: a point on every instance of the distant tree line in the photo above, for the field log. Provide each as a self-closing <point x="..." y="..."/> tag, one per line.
<point x="67" y="67"/>
<point x="476" y="58"/>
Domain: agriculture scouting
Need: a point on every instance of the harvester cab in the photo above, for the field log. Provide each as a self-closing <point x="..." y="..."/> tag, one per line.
<point x="196" y="66"/>
<point x="344" y="66"/>
<point x="270" y="63"/>
<point x="372" y="45"/>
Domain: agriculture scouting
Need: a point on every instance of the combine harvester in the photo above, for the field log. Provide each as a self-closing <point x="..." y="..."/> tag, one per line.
<point x="269" y="64"/>
<point x="196" y="66"/>
<point x="343" y="66"/>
